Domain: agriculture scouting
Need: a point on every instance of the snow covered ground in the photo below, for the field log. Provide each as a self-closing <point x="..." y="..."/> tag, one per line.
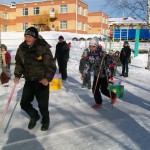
<point x="74" y="124"/>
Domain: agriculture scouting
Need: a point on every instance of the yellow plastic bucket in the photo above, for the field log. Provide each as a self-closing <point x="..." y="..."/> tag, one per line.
<point x="56" y="83"/>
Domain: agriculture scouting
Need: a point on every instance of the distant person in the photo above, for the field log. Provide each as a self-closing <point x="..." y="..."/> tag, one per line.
<point x="6" y="60"/>
<point x="125" y="58"/>
<point x="84" y="68"/>
<point x="35" y="61"/>
<point x="6" y="54"/>
<point x="117" y="62"/>
<point x="69" y="45"/>
<point x="62" y="56"/>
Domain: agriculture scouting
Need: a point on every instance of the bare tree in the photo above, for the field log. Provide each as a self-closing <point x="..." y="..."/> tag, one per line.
<point x="138" y="8"/>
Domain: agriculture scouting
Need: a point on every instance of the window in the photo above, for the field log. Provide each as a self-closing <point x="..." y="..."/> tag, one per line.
<point x="24" y="26"/>
<point x="63" y="9"/>
<point x="84" y="12"/>
<point x="83" y="27"/>
<point x="36" y="10"/>
<point x="25" y="11"/>
<point x="103" y="31"/>
<point x="5" y="28"/>
<point x="63" y="25"/>
<point x="5" y="15"/>
<point x="103" y="19"/>
<point x="78" y="9"/>
<point x="53" y="26"/>
<point x="79" y="26"/>
<point x="52" y="10"/>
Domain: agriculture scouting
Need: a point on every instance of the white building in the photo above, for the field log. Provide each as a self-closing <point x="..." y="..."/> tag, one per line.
<point x="126" y="23"/>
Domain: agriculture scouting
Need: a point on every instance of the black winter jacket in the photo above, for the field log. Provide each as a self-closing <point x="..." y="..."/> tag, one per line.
<point x="62" y="51"/>
<point x="35" y="63"/>
<point x="125" y="54"/>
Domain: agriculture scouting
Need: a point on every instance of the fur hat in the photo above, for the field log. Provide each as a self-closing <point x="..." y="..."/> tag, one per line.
<point x="94" y="42"/>
<point x="32" y="31"/>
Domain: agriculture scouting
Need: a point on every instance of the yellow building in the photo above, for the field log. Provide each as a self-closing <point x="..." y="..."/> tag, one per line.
<point x="57" y="15"/>
<point x="98" y="23"/>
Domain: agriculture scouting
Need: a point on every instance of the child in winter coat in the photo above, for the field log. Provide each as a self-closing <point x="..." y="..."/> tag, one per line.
<point x="99" y="63"/>
<point x="111" y="66"/>
<point x="6" y="60"/>
<point x="84" y="69"/>
<point x="117" y="62"/>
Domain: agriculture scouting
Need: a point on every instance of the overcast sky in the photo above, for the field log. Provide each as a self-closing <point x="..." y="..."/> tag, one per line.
<point x="94" y="5"/>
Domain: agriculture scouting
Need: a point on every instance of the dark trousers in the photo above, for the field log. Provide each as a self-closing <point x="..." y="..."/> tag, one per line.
<point x="125" y="68"/>
<point x="87" y="80"/>
<point x="41" y="92"/>
<point x="62" y="64"/>
<point x="102" y="85"/>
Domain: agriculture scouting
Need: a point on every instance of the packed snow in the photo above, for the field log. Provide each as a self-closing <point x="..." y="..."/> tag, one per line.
<point x="74" y="124"/>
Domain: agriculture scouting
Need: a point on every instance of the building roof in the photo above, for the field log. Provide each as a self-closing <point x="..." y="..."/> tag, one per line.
<point x="31" y="1"/>
<point x="127" y="20"/>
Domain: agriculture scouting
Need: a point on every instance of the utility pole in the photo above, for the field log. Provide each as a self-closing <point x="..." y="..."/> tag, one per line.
<point x="149" y="12"/>
<point x="148" y="62"/>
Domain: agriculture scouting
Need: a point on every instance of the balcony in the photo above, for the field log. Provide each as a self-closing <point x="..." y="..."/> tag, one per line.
<point x="53" y="15"/>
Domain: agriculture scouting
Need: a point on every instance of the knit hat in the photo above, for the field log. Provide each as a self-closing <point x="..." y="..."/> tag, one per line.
<point x="126" y="42"/>
<point x="97" y="39"/>
<point x="3" y="46"/>
<point x="32" y="31"/>
<point x="93" y="42"/>
<point x="61" y="37"/>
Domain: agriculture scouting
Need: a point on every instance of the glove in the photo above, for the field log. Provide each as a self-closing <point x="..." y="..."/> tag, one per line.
<point x="111" y="65"/>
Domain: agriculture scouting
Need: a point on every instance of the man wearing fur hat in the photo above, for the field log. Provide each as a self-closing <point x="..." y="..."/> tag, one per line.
<point x="34" y="60"/>
<point x="100" y="83"/>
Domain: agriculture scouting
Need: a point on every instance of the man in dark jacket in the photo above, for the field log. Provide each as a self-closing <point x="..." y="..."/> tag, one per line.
<point x="35" y="61"/>
<point x="124" y="58"/>
<point x="62" y="56"/>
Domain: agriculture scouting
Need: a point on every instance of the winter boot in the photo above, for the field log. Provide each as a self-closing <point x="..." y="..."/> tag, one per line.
<point x="45" y="126"/>
<point x="126" y="75"/>
<point x="32" y="122"/>
<point x="114" y="100"/>
<point x="95" y="106"/>
<point x="121" y="74"/>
